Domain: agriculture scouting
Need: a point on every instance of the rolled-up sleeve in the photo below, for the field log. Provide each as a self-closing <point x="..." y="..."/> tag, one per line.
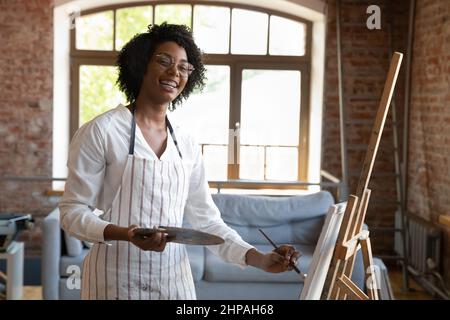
<point x="202" y="213"/>
<point x="86" y="172"/>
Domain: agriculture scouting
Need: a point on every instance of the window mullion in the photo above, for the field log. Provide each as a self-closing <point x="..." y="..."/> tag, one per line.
<point x="114" y="30"/>
<point x="268" y="34"/>
<point x="74" y="109"/>
<point x="73" y="39"/>
<point x="192" y="17"/>
<point x="229" y="33"/>
<point x="265" y="162"/>
<point x="235" y="117"/>
<point x="153" y="14"/>
<point x="304" y="126"/>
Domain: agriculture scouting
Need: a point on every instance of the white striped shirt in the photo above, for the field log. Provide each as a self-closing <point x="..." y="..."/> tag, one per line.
<point x="97" y="157"/>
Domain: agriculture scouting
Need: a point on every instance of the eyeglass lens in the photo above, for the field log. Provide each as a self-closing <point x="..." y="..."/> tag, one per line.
<point x="184" y="68"/>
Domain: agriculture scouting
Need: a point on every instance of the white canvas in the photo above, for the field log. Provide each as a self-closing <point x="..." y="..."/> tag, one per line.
<point x="323" y="253"/>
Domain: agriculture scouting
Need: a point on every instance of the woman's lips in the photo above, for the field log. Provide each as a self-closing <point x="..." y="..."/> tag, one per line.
<point x="168" y="85"/>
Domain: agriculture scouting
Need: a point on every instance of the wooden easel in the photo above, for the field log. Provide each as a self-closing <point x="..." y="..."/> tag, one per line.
<point x="351" y="237"/>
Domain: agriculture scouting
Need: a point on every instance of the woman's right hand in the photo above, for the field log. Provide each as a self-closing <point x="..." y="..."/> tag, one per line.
<point x="154" y="242"/>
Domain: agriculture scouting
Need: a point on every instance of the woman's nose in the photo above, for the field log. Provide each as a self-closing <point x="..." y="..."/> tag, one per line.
<point x="173" y="70"/>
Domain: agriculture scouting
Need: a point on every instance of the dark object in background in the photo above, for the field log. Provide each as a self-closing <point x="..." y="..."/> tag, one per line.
<point x="10" y="226"/>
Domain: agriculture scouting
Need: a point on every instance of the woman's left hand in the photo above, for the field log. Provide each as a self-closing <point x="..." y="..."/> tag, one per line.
<point x="284" y="258"/>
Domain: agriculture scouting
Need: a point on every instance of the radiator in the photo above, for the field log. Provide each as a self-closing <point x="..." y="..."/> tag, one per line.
<point x="424" y="243"/>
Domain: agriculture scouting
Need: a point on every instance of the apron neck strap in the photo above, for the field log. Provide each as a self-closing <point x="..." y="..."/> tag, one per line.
<point x="133" y="132"/>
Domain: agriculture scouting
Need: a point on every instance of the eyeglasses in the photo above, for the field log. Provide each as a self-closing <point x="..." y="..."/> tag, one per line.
<point x="166" y="61"/>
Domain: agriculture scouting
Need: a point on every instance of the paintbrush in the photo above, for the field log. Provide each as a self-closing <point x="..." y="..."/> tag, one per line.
<point x="295" y="268"/>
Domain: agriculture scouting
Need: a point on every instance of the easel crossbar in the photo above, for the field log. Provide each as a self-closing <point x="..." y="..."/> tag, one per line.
<point x="350" y="288"/>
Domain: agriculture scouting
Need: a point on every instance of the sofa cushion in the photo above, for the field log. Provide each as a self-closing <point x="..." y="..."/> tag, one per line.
<point x="196" y="256"/>
<point x="294" y="219"/>
<point x="73" y="245"/>
<point x="218" y="270"/>
<point x="305" y="232"/>
<point x="264" y="211"/>
<point x="68" y="294"/>
<point x="67" y="261"/>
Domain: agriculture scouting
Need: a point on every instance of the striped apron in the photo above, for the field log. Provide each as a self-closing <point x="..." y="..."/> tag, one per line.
<point x="152" y="193"/>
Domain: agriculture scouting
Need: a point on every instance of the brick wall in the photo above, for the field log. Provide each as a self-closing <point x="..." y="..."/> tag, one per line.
<point x="26" y="63"/>
<point x="429" y="139"/>
<point x="365" y="61"/>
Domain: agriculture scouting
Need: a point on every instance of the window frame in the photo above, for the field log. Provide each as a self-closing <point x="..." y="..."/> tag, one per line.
<point x="303" y="142"/>
<point x="236" y="62"/>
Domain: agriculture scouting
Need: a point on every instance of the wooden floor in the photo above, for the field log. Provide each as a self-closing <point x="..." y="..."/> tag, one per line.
<point x="415" y="292"/>
<point x="395" y="275"/>
<point x="32" y="293"/>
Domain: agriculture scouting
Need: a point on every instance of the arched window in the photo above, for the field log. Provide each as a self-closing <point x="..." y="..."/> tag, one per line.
<point x="252" y="119"/>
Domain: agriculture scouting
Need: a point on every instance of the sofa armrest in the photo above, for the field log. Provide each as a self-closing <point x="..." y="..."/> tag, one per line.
<point x="51" y="254"/>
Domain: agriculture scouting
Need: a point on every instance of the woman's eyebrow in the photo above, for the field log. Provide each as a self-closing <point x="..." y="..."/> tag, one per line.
<point x="182" y="60"/>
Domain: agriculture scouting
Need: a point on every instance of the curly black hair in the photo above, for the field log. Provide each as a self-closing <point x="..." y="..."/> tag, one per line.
<point x="135" y="55"/>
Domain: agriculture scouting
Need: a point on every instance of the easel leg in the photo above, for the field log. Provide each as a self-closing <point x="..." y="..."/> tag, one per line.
<point x="339" y="265"/>
<point x="371" y="279"/>
<point x="334" y="289"/>
<point x="349" y="265"/>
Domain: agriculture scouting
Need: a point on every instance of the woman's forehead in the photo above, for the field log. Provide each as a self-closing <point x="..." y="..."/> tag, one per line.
<point x="173" y="49"/>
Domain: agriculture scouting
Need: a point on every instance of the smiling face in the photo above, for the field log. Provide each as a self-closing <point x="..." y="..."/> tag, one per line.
<point x="162" y="84"/>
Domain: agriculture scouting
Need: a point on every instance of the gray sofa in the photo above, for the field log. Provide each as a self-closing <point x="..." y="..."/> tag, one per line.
<point x="295" y="220"/>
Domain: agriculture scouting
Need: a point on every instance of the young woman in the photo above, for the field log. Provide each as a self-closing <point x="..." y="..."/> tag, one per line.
<point x="129" y="163"/>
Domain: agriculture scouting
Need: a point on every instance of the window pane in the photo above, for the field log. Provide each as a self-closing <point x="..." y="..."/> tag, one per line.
<point x="212" y="28"/>
<point x="248" y="32"/>
<point x="95" y="31"/>
<point x="205" y="114"/>
<point x="251" y="163"/>
<point x="98" y="91"/>
<point x="287" y="37"/>
<point x="176" y="14"/>
<point x="130" y="21"/>
<point x="282" y="164"/>
<point x="215" y="158"/>
<point x="270" y="108"/>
